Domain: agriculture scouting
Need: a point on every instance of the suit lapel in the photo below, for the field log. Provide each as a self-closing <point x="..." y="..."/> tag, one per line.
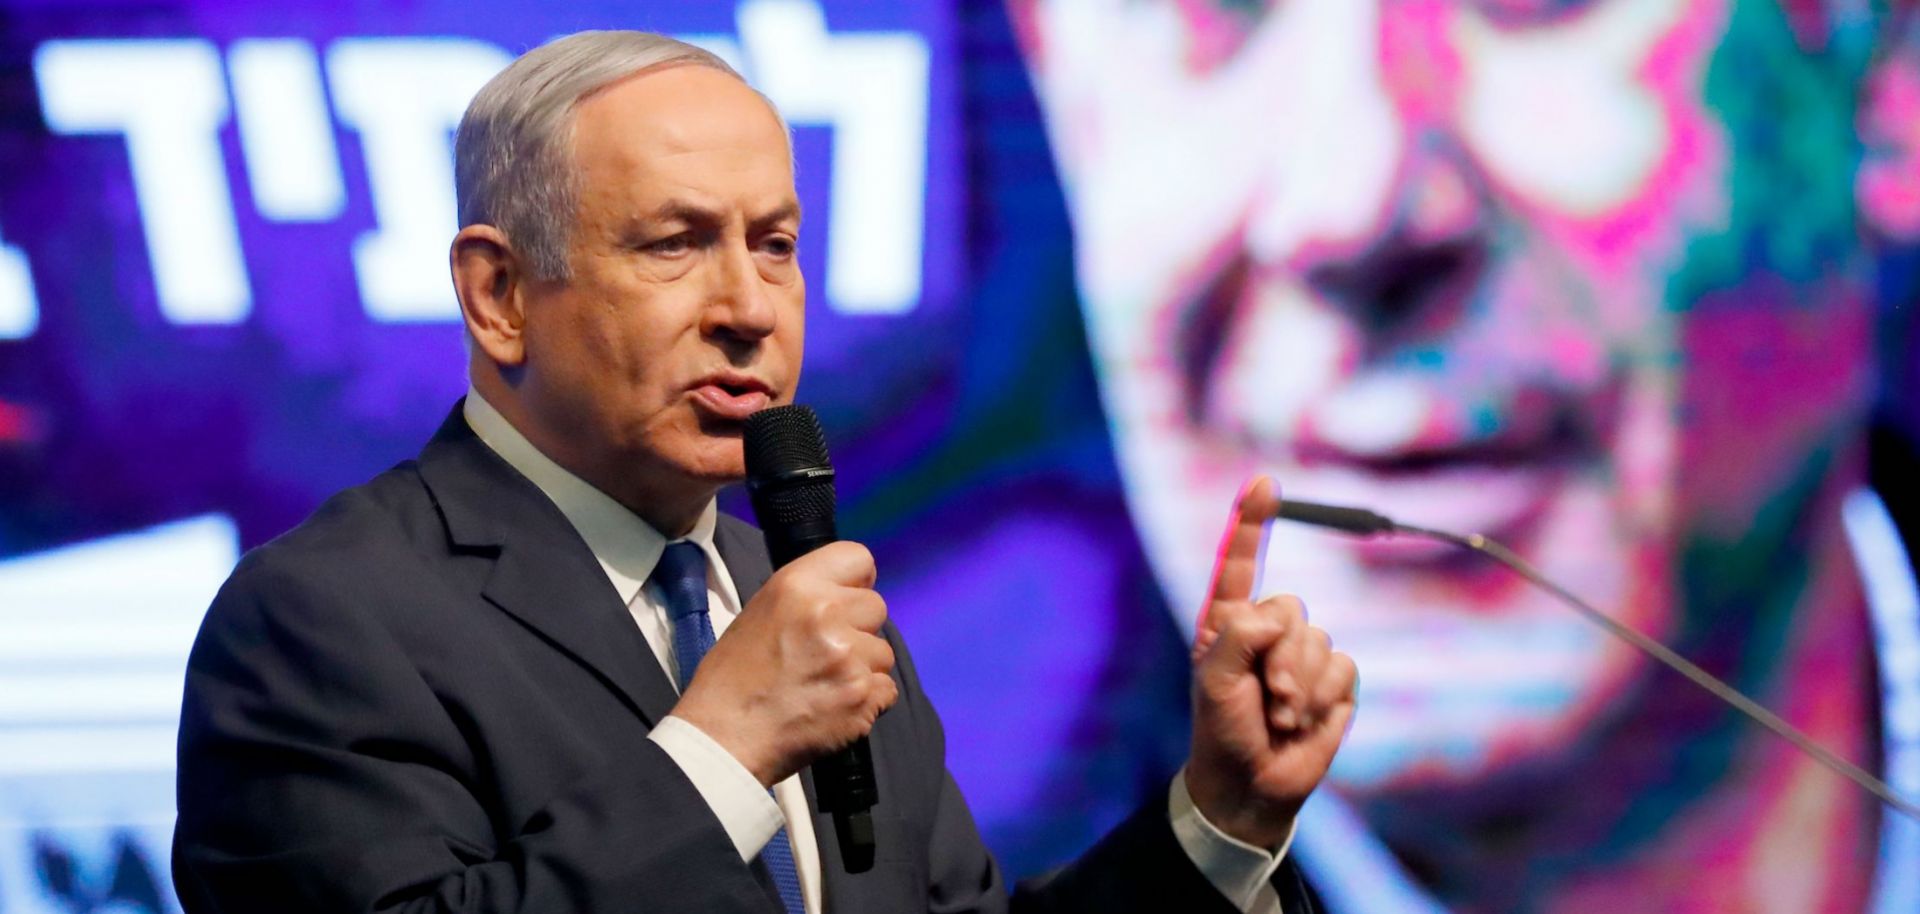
<point x="543" y="573"/>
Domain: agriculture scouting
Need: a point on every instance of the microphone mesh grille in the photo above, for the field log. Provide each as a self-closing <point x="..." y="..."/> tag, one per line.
<point x="804" y="504"/>
<point x="783" y="439"/>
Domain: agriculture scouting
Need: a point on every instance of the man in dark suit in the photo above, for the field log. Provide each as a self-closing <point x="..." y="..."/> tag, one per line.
<point x="534" y="670"/>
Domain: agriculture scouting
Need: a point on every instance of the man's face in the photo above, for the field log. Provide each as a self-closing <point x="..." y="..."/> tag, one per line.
<point x="684" y="312"/>
<point x="1412" y="256"/>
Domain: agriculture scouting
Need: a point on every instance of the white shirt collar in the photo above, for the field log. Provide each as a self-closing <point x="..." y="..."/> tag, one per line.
<point x="627" y="547"/>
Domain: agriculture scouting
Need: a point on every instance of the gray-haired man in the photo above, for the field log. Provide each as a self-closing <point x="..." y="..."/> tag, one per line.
<point x="453" y="688"/>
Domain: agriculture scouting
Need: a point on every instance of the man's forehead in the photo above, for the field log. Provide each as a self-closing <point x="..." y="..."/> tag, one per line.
<point x="681" y="107"/>
<point x="688" y="124"/>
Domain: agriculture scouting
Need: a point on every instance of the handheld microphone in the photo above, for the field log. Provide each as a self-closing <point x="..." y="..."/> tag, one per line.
<point x="791" y="483"/>
<point x="1361" y="522"/>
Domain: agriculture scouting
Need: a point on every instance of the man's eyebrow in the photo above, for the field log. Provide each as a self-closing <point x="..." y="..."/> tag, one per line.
<point x="785" y="212"/>
<point x="684" y="211"/>
<point x="697" y="215"/>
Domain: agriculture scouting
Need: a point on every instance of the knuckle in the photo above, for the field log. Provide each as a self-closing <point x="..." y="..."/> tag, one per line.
<point x="872" y="610"/>
<point x="851" y="693"/>
<point x="836" y="653"/>
<point x="1288" y="607"/>
<point x="809" y="612"/>
<point x="1346" y="673"/>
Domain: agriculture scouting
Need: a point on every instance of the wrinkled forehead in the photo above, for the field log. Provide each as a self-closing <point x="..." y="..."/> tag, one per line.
<point x="678" y="130"/>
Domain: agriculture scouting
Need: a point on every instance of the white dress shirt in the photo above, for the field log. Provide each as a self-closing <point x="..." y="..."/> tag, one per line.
<point x="627" y="549"/>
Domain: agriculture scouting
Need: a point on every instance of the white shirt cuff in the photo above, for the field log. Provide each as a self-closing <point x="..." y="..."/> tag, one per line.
<point x="1241" y="871"/>
<point x="743" y="806"/>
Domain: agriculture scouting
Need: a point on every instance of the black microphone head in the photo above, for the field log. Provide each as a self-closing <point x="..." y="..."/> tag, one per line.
<point x="790" y="480"/>
<point x="783" y="439"/>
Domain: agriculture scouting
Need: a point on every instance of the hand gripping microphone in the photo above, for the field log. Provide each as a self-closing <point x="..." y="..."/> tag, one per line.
<point x="791" y="482"/>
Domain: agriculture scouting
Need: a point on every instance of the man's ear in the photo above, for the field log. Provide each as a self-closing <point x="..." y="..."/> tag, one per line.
<point x="491" y="282"/>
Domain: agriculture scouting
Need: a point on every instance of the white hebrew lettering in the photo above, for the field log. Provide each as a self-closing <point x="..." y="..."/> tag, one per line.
<point x="167" y="97"/>
<point x="286" y="131"/>
<point x="19" y="308"/>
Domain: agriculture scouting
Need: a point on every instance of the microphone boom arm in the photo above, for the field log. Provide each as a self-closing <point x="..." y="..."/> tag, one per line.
<point x="1361" y="522"/>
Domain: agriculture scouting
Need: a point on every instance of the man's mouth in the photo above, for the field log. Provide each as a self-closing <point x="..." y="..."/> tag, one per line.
<point x="1502" y="485"/>
<point x="1505" y="503"/>
<point x="731" y="395"/>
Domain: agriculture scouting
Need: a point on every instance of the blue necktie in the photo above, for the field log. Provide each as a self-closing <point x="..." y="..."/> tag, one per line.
<point x="682" y="578"/>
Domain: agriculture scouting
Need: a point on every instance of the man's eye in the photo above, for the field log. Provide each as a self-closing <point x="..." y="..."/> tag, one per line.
<point x="779" y="247"/>
<point x="676" y="244"/>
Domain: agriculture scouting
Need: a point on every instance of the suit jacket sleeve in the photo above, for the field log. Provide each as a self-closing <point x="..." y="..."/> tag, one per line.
<point x="320" y="772"/>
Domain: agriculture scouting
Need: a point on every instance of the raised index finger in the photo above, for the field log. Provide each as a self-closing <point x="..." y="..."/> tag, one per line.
<point x="1242" y="546"/>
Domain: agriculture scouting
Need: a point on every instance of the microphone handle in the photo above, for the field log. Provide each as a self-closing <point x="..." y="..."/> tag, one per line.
<point x="843" y="782"/>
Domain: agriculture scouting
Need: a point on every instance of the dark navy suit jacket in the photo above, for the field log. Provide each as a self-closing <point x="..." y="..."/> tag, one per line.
<point x="428" y="697"/>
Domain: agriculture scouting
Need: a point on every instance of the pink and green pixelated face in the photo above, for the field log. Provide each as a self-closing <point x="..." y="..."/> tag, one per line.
<point x="1483" y="266"/>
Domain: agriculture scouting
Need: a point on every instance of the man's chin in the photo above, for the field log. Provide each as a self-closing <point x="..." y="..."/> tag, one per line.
<point x="717" y="472"/>
<point x="1473" y="720"/>
<point x="695" y="463"/>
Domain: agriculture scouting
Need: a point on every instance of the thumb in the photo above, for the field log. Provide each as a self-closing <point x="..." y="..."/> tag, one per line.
<point x="844" y="562"/>
<point x="1240" y="636"/>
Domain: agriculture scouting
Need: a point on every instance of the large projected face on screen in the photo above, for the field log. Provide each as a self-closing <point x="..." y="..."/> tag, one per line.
<point x="1562" y="273"/>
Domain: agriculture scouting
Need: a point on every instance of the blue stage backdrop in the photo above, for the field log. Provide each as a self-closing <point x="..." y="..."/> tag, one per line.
<point x="1603" y="277"/>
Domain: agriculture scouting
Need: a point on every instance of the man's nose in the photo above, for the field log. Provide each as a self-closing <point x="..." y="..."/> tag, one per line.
<point x="1372" y="202"/>
<point x="1426" y="251"/>
<point x="739" y="304"/>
